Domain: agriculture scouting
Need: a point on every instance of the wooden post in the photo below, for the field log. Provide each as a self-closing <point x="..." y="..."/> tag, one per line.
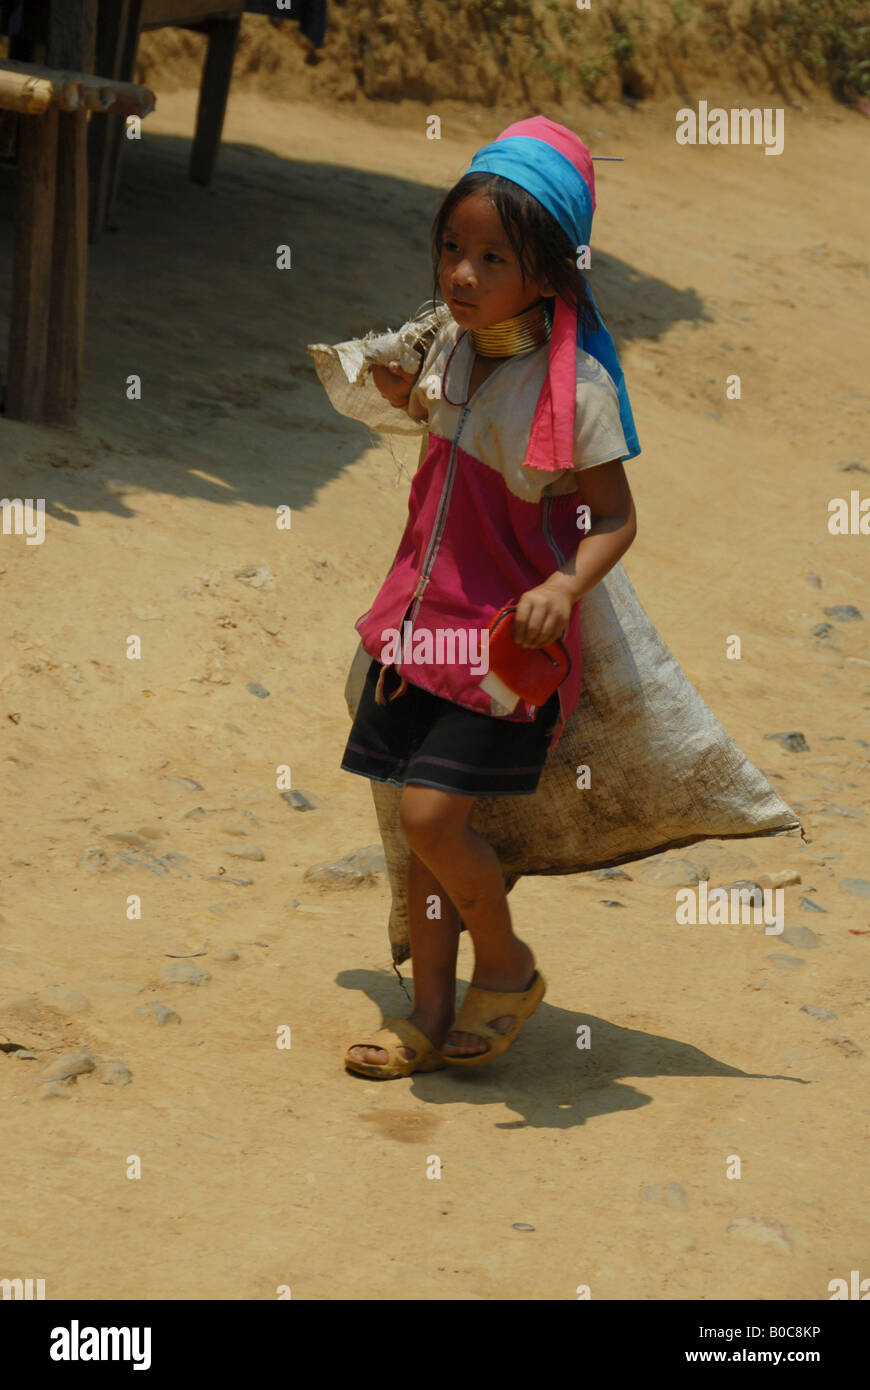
<point x="106" y="135"/>
<point x="128" y="70"/>
<point x="71" y="44"/>
<point x="223" y="36"/>
<point x="31" y="280"/>
<point x="101" y="132"/>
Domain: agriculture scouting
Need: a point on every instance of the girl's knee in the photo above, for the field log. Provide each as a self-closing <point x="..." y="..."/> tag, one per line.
<point x="429" y="817"/>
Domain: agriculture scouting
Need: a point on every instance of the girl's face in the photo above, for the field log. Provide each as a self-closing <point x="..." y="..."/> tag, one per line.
<point x="479" y="274"/>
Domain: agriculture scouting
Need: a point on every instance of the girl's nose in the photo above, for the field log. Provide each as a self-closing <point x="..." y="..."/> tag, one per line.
<point x="463" y="274"/>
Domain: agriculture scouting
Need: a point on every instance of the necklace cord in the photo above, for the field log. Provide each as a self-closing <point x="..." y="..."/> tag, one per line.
<point x="513" y="337"/>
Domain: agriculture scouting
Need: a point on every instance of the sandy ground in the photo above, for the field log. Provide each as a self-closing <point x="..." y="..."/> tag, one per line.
<point x="264" y="1167"/>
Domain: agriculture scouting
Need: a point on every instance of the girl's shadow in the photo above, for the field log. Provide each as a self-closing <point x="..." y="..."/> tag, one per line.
<point x="557" y="1074"/>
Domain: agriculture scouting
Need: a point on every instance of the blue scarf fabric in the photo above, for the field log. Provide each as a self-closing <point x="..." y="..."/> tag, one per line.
<point x="551" y="178"/>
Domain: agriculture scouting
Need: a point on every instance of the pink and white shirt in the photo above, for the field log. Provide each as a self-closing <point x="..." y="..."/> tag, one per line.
<point x="482" y="526"/>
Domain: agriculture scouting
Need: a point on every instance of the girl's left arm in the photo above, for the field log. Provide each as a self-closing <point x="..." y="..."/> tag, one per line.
<point x="543" y="613"/>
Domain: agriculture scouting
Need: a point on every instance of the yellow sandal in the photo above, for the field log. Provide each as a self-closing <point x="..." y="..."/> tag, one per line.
<point x="397" y="1032"/>
<point x="480" y="1005"/>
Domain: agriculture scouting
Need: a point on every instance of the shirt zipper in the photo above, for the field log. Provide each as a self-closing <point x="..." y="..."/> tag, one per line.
<point x="440" y="518"/>
<point x="441" y="515"/>
<point x="548" y="533"/>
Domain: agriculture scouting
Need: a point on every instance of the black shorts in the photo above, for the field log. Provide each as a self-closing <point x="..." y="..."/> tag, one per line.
<point x="421" y="739"/>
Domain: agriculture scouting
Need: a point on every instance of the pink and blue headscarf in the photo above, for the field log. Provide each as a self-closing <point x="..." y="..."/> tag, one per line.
<point x="554" y="165"/>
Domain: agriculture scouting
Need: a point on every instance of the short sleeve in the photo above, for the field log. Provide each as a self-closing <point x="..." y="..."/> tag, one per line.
<point x="598" y="434"/>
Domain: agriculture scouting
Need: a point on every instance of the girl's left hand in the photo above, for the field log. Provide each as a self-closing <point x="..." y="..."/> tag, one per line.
<point x="543" y="613"/>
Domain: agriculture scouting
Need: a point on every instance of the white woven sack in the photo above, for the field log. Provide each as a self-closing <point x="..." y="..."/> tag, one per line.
<point x="663" y="771"/>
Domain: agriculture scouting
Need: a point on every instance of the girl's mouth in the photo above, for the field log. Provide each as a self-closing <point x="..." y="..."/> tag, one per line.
<point x="463" y="303"/>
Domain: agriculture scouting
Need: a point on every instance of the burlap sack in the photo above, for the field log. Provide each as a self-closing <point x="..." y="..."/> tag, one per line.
<point x="344" y="370"/>
<point x="663" y="773"/>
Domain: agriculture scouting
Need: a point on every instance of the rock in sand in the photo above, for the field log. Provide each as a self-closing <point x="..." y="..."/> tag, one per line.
<point x="184" y="972"/>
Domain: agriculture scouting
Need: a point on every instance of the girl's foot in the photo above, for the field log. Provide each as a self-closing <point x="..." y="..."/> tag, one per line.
<point x="512" y="974"/>
<point x="433" y="1026"/>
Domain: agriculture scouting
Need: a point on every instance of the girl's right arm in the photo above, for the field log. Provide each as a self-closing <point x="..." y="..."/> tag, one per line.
<point x="394" y="384"/>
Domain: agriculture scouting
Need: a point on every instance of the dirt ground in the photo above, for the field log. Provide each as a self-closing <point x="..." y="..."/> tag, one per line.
<point x="263" y="1166"/>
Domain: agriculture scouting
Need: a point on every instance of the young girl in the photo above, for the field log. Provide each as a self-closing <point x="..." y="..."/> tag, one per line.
<point x="521" y="497"/>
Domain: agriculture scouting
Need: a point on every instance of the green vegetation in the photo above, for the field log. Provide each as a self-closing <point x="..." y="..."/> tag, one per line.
<point x="830" y="38"/>
<point x="682" y="11"/>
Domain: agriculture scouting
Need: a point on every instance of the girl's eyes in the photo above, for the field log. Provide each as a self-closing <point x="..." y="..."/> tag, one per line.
<point x="453" y="249"/>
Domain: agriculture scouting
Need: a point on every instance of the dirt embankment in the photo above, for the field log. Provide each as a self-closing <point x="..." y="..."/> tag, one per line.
<point x="509" y="52"/>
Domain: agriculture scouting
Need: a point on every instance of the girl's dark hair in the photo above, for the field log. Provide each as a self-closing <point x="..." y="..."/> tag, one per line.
<point x="542" y="248"/>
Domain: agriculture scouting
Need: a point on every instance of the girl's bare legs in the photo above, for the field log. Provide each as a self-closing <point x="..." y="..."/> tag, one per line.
<point x="434" y="941"/>
<point x="452" y="862"/>
<point x="436" y="828"/>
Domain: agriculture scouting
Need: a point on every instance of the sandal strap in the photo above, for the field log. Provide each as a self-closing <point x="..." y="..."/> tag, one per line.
<point x="396" y="1033"/>
<point x="497" y="1004"/>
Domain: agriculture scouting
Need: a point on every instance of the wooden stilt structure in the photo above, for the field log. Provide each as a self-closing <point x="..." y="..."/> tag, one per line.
<point x="70" y="144"/>
<point x="72" y="30"/>
<point x="46" y="335"/>
<point x="223" y="36"/>
<point x="31" y="277"/>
